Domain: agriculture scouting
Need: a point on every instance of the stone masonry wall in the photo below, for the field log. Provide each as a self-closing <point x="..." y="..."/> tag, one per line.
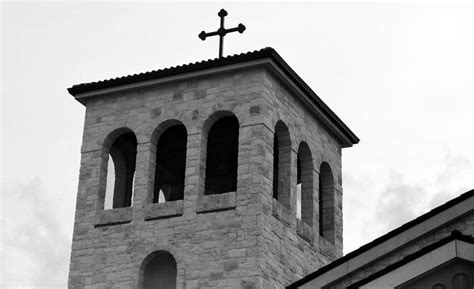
<point x="292" y="249"/>
<point x="241" y="239"/>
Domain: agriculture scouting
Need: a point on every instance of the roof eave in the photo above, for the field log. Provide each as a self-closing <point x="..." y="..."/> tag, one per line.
<point x="463" y="205"/>
<point x="267" y="57"/>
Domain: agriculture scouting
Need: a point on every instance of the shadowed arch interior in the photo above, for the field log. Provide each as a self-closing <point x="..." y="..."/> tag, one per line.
<point x="170" y="165"/>
<point x="305" y="184"/>
<point x="222" y="156"/>
<point x="123" y="152"/>
<point x="461" y="281"/>
<point x="160" y="271"/>
<point x="326" y="203"/>
<point x="281" y="164"/>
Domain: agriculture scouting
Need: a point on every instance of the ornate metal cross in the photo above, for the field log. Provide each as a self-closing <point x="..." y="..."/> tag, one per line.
<point x="222" y="31"/>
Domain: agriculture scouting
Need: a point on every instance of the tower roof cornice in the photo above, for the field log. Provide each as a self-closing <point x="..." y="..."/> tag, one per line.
<point x="267" y="57"/>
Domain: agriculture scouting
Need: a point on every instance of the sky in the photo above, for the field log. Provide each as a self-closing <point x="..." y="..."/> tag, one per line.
<point x="398" y="74"/>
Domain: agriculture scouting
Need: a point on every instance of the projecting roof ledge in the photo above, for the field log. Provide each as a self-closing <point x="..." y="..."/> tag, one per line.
<point x="266" y="56"/>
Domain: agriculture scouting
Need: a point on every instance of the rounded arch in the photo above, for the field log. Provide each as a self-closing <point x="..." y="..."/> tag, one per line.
<point x="326" y="203"/>
<point x="305" y="183"/>
<point x="285" y="121"/>
<point x="158" y="270"/>
<point x="154" y="133"/>
<point x="118" y="165"/>
<point x="113" y="135"/>
<point x="168" y="157"/>
<point x="216" y="116"/>
<point x="461" y="281"/>
<point x="220" y="143"/>
<point x="161" y="128"/>
<point x="281" y="163"/>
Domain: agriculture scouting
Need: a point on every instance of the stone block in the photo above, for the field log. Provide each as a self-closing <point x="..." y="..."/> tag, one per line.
<point x="304" y="231"/>
<point x="216" y="203"/>
<point x="283" y="214"/>
<point x="163" y="210"/>
<point x="113" y="216"/>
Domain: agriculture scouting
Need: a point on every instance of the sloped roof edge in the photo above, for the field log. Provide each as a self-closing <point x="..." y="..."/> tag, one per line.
<point x="382" y="239"/>
<point x="455" y="235"/>
<point x="267" y="52"/>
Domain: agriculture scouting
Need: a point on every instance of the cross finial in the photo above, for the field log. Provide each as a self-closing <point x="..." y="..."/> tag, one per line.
<point x="222" y="31"/>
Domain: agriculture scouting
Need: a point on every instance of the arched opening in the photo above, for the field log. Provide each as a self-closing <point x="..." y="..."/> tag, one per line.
<point x="121" y="171"/>
<point x="170" y="165"/>
<point x="159" y="271"/>
<point x="222" y="156"/>
<point x="298" y="186"/>
<point x="326" y="203"/>
<point x="461" y="281"/>
<point x="281" y="164"/>
<point x="304" y="181"/>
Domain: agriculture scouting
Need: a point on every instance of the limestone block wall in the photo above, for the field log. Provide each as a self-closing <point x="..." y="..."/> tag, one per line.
<point x="213" y="238"/>
<point x="241" y="239"/>
<point x="291" y="248"/>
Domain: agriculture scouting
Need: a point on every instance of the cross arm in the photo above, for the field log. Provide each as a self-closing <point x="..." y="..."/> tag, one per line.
<point x="203" y="34"/>
<point x="241" y="28"/>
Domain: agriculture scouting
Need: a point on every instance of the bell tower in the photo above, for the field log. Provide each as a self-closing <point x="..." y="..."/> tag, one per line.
<point x="226" y="174"/>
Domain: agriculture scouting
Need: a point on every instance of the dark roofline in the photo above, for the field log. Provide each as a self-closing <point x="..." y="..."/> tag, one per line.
<point x="219" y="62"/>
<point x="170" y="71"/>
<point x="382" y="239"/>
<point x="455" y="235"/>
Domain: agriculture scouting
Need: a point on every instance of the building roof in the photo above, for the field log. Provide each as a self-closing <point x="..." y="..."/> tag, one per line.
<point x="265" y="53"/>
<point x="383" y="238"/>
<point x="455" y="235"/>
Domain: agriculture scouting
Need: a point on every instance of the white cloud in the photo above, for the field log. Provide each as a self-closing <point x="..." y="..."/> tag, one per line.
<point x="370" y="212"/>
<point x="35" y="236"/>
<point x="399" y="202"/>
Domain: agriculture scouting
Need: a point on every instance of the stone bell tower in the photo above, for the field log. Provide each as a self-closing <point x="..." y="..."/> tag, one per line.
<point x="226" y="174"/>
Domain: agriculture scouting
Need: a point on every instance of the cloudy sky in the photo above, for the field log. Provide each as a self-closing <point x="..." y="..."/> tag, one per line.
<point x="399" y="75"/>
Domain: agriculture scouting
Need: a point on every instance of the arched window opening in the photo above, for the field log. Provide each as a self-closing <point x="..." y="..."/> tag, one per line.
<point x="281" y="164"/>
<point x="298" y="187"/>
<point x="438" y="286"/>
<point x="109" y="189"/>
<point x="222" y="156"/>
<point x="170" y="165"/>
<point x="160" y="271"/>
<point x="461" y="281"/>
<point x="121" y="172"/>
<point x="326" y="202"/>
<point x="275" y="166"/>
<point x="304" y="179"/>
